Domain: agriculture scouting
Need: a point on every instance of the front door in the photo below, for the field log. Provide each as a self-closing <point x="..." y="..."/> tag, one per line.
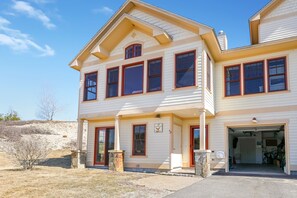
<point x="195" y="142"/>
<point x="104" y="141"/>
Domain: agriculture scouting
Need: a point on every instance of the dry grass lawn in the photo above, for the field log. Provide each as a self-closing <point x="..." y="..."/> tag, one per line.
<point x="56" y="179"/>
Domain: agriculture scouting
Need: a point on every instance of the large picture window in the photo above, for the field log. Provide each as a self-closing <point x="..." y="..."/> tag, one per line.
<point x="139" y="139"/>
<point x="185" y="69"/>
<point x="133" y="79"/>
<point x="232" y="80"/>
<point x="90" y="88"/>
<point x="112" y="82"/>
<point x="277" y="74"/>
<point x="254" y="77"/>
<point x="154" y="76"/>
<point x="133" y="51"/>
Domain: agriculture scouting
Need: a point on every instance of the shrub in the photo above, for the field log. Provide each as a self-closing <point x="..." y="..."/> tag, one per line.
<point x="30" y="151"/>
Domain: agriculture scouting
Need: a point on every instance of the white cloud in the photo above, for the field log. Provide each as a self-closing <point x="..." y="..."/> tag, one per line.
<point x="18" y="41"/>
<point x="104" y="10"/>
<point x="26" y="8"/>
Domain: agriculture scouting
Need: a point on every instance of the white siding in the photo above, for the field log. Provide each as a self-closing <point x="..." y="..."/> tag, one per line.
<point x="278" y="29"/>
<point x="279" y="23"/>
<point x="287" y="7"/>
<point x="161" y="101"/>
<point x="176" y="32"/>
<point x="257" y="100"/>
<point x="133" y="37"/>
<point x="157" y="144"/>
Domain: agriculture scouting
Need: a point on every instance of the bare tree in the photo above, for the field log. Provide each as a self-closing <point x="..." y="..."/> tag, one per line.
<point x="30" y="151"/>
<point x="48" y="105"/>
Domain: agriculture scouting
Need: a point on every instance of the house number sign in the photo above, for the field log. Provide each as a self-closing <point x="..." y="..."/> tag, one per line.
<point x="158" y="127"/>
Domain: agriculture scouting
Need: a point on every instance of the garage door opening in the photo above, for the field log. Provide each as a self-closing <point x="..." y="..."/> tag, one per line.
<point x="257" y="150"/>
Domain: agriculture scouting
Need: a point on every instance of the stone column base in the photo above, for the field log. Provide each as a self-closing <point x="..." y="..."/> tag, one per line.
<point x="78" y="159"/>
<point x="202" y="163"/>
<point x="116" y="160"/>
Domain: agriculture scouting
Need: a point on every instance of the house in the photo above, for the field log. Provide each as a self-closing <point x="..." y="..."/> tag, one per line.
<point x="159" y="86"/>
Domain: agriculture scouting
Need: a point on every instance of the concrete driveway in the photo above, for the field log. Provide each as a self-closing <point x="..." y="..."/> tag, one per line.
<point x="241" y="186"/>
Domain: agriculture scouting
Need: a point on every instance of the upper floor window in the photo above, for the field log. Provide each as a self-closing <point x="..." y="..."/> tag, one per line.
<point x="185" y="69"/>
<point x="132" y="79"/>
<point x="277" y="74"/>
<point x="208" y="73"/>
<point x="112" y="82"/>
<point x="90" y="88"/>
<point x="139" y="139"/>
<point x="154" y="75"/>
<point x="254" y="77"/>
<point x="232" y="80"/>
<point x="133" y="51"/>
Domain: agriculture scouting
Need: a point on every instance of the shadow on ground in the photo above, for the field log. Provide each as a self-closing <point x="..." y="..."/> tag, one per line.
<point x="62" y="162"/>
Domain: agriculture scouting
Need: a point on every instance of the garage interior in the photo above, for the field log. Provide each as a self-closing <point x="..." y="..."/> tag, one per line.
<point x="257" y="150"/>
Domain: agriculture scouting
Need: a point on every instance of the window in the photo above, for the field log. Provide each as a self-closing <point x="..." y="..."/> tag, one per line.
<point x="133" y="51"/>
<point x="90" y="91"/>
<point x="277" y="74"/>
<point x="112" y="82"/>
<point x="133" y="79"/>
<point x="154" y="76"/>
<point x="185" y="69"/>
<point x="254" y="77"/>
<point x="232" y="80"/>
<point x="208" y="73"/>
<point x="139" y="139"/>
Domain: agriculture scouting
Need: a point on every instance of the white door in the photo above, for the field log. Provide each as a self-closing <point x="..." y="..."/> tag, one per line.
<point x="248" y="150"/>
<point x="176" y="155"/>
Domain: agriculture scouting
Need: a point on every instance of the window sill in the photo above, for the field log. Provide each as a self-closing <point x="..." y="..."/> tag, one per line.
<point x="89" y="101"/>
<point x="185" y="88"/>
<point x="138" y="156"/>
<point x="132" y="95"/>
<point x="257" y="94"/>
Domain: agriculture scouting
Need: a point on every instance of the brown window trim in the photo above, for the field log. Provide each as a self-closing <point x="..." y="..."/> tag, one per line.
<point x="161" y="74"/>
<point x="208" y="73"/>
<point x="239" y="80"/>
<point x="145" y="140"/>
<point x="264" y="83"/>
<point x="133" y="50"/>
<point x="123" y="77"/>
<point x="107" y="84"/>
<point x="187" y="52"/>
<point x="96" y="143"/>
<point x="85" y="87"/>
<point x="285" y="73"/>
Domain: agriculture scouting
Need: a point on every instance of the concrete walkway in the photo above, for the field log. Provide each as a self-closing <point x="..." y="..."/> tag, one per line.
<point x="241" y="186"/>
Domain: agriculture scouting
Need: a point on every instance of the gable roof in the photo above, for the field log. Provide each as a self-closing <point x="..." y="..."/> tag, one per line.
<point x="122" y="14"/>
<point x="255" y="19"/>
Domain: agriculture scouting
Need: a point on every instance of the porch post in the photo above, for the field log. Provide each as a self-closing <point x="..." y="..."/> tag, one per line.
<point x="202" y="130"/>
<point x="80" y="134"/>
<point x="202" y="156"/>
<point x="78" y="157"/>
<point x="116" y="156"/>
<point x="117" y="133"/>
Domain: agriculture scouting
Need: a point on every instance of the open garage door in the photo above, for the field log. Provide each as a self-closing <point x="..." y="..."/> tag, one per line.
<point x="257" y="150"/>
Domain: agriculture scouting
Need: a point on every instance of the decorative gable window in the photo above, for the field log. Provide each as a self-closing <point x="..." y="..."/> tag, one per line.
<point x="133" y="51"/>
<point x="90" y="89"/>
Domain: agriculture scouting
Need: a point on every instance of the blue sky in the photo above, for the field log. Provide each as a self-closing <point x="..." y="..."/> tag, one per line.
<point x="38" y="38"/>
